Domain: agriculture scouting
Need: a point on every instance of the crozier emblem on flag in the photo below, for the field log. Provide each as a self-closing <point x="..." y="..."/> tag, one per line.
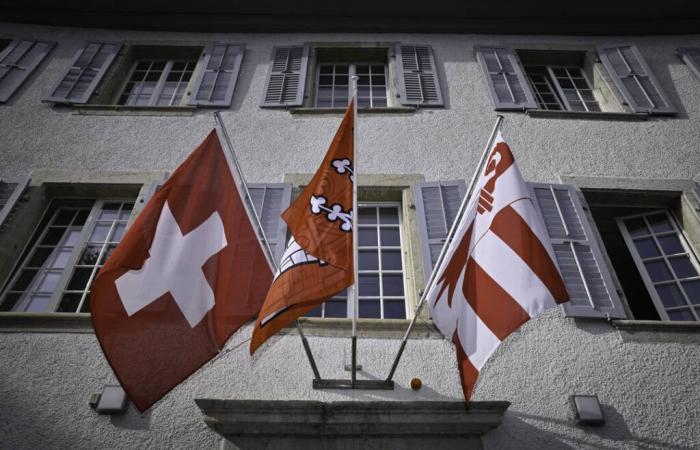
<point x="188" y="273"/>
<point x="318" y="260"/>
<point x="499" y="269"/>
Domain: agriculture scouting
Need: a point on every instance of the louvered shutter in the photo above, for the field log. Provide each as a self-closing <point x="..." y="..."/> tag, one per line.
<point x="437" y="204"/>
<point x="418" y="78"/>
<point x="17" y="61"/>
<point x="634" y="79"/>
<point x="10" y="193"/>
<point x="217" y="80"/>
<point x="84" y="73"/>
<point x="270" y="201"/>
<point x="286" y="78"/>
<point x="691" y="56"/>
<point x="505" y="79"/>
<point x="579" y="257"/>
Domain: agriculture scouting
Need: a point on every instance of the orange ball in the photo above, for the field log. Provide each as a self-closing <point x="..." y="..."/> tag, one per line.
<point x="416" y="383"/>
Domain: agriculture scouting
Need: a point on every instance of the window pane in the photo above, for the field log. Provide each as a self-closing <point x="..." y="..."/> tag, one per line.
<point x="369" y="260"/>
<point x="367" y="236"/>
<point x="48" y="282"/>
<point x="637" y="227"/>
<point x="367" y="215"/>
<point x="670" y="244"/>
<point x="390" y="237"/>
<point x="369" y="285"/>
<point x="682" y="314"/>
<point x="109" y="211"/>
<point x="24" y="280"/>
<point x="392" y="284"/>
<point x="657" y="270"/>
<point x="79" y="280"/>
<point x="64" y="217"/>
<point x="394" y="309"/>
<point x="646" y="248"/>
<point x="316" y="312"/>
<point x="99" y="234"/>
<point x="692" y="290"/>
<point x="52" y="236"/>
<point x="38" y="303"/>
<point x="39" y="256"/>
<point x="335" y="308"/>
<point x="369" y="309"/>
<point x="69" y="302"/>
<point x="391" y="260"/>
<point x="670" y="295"/>
<point x="683" y="267"/>
<point x="90" y="255"/>
<point x="388" y="215"/>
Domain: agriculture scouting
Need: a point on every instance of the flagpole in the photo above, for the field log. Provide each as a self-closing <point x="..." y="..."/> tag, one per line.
<point x="355" y="214"/>
<point x="270" y="256"/>
<point x="448" y="240"/>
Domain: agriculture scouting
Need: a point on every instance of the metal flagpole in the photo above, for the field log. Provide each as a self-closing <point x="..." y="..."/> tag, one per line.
<point x="268" y="250"/>
<point x="355" y="214"/>
<point x="448" y="240"/>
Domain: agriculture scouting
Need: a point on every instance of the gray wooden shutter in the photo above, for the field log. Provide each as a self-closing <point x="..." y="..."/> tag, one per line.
<point x="419" y="83"/>
<point x="217" y="79"/>
<point x="437" y="204"/>
<point x="634" y="79"/>
<point x="84" y="73"/>
<point x="10" y="194"/>
<point x="505" y="79"/>
<point x="579" y="257"/>
<point x="17" y="61"/>
<point x="270" y="201"/>
<point x="691" y="56"/>
<point x="286" y="78"/>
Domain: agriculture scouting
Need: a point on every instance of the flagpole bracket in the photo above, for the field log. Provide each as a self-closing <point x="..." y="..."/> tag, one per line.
<point x="366" y="385"/>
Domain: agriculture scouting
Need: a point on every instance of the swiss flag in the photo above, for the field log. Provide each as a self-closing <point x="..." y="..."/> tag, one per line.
<point x="187" y="274"/>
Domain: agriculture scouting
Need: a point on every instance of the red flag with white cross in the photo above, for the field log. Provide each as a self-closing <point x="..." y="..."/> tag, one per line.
<point x="188" y="273"/>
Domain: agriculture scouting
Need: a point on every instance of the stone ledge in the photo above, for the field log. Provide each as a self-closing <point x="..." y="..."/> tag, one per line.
<point x="657" y="331"/>
<point x="121" y="110"/>
<point x="45" y="323"/>
<point x="370" y="328"/>
<point x="236" y="418"/>
<point x="615" y="116"/>
<point x="322" y="111"/>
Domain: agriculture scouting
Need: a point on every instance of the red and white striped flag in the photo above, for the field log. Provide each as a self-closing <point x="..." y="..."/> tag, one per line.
<point x="499" y="270"/>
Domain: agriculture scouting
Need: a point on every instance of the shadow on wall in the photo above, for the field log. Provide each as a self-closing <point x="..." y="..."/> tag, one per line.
<point x="132" y="419"/>
<point x="520" y="430"/>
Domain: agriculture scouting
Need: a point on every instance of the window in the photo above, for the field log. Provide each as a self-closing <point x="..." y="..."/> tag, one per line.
<point x="380" y="267"/>
<point x="334" y="85"/>
<point x="157" y="82"/>
<point x="666" y="263"/>
<point x="560" y="88"/>
<point x="145" y="75"/>
<point x="609" y="78"/>
<point x="18" y="59"/>
<point x="390" y="75"/>
<point x="69" y="246"/>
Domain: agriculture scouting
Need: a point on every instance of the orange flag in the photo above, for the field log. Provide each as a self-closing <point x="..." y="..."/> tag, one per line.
<point x="318" y="260"/>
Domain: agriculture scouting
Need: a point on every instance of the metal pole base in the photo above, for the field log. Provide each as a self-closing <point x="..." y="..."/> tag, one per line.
<point x="370" y="385"/>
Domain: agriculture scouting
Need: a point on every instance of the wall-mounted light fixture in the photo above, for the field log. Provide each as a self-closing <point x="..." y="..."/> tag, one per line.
<point x="112" y="400"/>
<point x="587" y="409"/>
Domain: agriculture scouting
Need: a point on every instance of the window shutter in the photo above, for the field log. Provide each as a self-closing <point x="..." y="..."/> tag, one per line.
<point x="217" y="79"/>
<point x="270" y="201"/>
<point x="580" y="260"/>
<point x="10" y="193"/>
<point x="17" y="61"/>
<point x="691" y="56"/>
<point x="286" y="78"/>
<point x="418" y="78"/>
<point x="634" y="79"/>
<point x="437" y="204"/>
<point x="89" y="65"/>
<point x="505" y="79"/>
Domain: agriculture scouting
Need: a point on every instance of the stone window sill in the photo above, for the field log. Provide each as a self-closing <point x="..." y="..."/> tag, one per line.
<point x="45" y="323"/>
<point x="658" y="331"/>
<point x="608" y="116"/>
<point x="322" y="111"/>
<point x="121" y="110"/>
<point x="371" y="328"/>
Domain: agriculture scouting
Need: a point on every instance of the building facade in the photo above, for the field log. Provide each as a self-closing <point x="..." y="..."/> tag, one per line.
<point x="603" y="120"/>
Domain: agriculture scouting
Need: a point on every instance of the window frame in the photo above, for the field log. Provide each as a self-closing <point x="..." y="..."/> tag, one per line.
<point x="352" y="71"/>
<point x="560" y="90"/>
<point x="160" y="84"/>
<point x="350" y="306"/>
<point x="77" y="250"/>
<point x="674" y="280"/>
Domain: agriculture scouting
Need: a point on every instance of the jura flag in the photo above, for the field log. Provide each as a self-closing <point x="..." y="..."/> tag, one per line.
<point x="188" y="273"/>
<point x="499" y="269"/>
<point x="318" y="260"/>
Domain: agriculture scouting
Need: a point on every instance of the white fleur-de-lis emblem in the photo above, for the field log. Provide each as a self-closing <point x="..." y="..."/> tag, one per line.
<point x="334" y="213"/>
<point x="342" y="166"/>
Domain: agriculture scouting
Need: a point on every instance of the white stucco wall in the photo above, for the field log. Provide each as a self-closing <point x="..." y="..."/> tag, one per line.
<point x="650" y="389"/>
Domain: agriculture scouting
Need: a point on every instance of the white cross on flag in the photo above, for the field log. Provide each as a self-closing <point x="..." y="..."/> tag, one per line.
<point x="188" y="273"/>
<point x="499" y="270"/>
